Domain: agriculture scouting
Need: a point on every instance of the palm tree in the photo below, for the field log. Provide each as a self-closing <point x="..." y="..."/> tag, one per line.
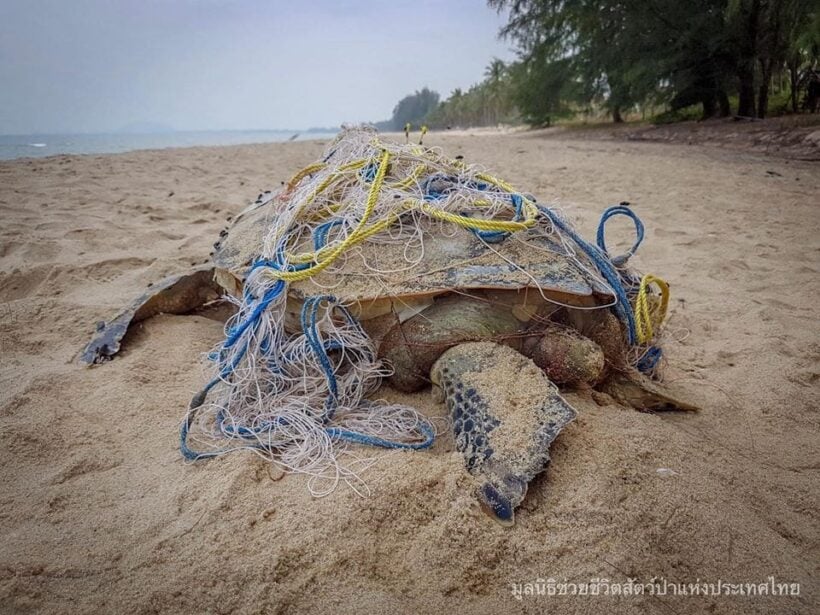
<point x="495" y="73"/>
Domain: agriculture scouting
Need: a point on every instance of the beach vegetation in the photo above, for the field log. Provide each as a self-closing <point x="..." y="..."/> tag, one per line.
<point x="660" y="60"/>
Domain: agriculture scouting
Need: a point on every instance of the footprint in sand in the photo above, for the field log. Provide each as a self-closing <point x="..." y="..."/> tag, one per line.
<point x="87" y="465"/>
<point x="805" y="378"/>
<point x="20" y="285"/>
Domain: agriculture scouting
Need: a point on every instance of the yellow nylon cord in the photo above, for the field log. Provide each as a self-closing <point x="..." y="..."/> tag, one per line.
<point x="646" y="319"/>
<point x="328" y="254"/>
<point x="352" y="239"/>
<point x="318" y="166"/>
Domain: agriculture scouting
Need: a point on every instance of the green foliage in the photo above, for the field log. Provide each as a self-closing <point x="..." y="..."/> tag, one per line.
<point x="686" y="114"/>
<point x="544" y="91"/>
<point x="484" y="104"/>
<point x="623" y="54"/>
<point x="413" y="108"/>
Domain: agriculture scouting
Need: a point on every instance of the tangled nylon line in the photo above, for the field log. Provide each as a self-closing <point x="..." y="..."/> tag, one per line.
<point x="298" y="393"/>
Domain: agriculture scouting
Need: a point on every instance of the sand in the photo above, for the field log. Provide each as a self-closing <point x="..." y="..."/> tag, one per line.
<point x="99" y="514"/>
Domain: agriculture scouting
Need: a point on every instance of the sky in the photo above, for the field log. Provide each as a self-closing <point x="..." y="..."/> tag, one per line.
<point x="73" y="66"/>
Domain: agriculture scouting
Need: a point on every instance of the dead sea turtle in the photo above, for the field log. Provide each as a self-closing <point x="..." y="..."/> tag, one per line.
<point x="494" y="328"/>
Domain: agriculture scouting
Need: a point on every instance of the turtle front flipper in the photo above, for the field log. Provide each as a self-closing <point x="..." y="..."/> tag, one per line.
<point x="636" y="390"/>
<point x="176" y="294"/>
<point x="505" y="414"/>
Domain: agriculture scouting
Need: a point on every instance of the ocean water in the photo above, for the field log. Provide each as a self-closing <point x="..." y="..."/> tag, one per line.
<point x="39" y="146"/>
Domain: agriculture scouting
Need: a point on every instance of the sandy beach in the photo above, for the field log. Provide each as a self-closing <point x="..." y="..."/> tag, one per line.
<point x="99" y="513"/>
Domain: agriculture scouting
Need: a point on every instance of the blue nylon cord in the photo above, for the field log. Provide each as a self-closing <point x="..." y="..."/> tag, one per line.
<point x="650" y="359"/>
<point x="619" y="210"/>
<point x="321" y="232"/>
<point x="623" y="308"/>
<point x="358" y="438"/>
<point x="320" y="349"/>
<point x="653" y="354"/>
<point x="499" y="236"/>
<point x="368" y="173"/>
<point x="308" y="317"/>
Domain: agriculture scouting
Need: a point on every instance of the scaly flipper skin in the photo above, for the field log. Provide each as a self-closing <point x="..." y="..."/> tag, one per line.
<point x="634" y="389"/>
<point x="505" y="414"/>
<point x="174" y="295"/>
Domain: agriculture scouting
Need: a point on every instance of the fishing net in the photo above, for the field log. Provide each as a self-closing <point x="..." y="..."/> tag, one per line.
<point x="295" y="385"/>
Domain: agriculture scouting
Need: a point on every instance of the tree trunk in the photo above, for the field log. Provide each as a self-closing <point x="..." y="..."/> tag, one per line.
<point x="763" y="100"/>
<point x="709" y="106"/>
<point x="794" y="77"/>
<point x="763" y="91"/>
<point x="746" y="93"/>
<point x="746" y="64"/>
<point x="616" y="115"/>
<point x="723" y="102"/>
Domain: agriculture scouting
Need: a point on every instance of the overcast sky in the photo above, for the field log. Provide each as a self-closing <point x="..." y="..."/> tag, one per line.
<point x="99" y="65"/>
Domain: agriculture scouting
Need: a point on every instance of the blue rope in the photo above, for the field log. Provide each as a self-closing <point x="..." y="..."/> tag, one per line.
<point x="487" y="236"/>
<point x="435" y="195"/>
<point x="607" y="266"/>
<point x="321" y="232"/>
<point x="623" y="308"/>
<point x="647" y="363"/>
<point x="619" y="210"/>
<point x="310" y="308"/>
<point x="359" y="438"/>
<point x="368" y="173"/>
<point x="320" y="349"/>
<point x="499" y="236"/>
<point x="650" y="359"/>
<point x="235" y="333"/>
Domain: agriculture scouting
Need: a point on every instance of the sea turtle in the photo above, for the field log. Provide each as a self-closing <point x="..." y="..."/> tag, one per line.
<point x="493" y="327"/>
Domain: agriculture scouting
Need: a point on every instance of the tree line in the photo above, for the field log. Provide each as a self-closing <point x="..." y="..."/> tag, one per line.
<point x="622" y="55"/>
<point x="484" y="104"/>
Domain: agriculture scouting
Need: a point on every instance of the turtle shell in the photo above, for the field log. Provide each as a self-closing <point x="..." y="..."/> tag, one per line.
<point x="375" y="276"/>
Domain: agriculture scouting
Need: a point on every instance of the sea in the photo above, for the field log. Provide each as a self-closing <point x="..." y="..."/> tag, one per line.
<point x="41" y="145"/>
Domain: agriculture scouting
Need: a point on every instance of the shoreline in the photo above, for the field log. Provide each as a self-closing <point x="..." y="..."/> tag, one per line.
<point x="792" y="137"/>
<point x="120" y="143"/>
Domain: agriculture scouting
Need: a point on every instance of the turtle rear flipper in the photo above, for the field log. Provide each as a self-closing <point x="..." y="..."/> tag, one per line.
<point x="638" y="391"/>
<point x="505" y="414"/>
<point x="177" y="294"/>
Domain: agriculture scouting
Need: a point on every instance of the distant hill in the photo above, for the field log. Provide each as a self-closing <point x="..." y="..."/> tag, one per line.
<point x="333" y="129"/>
<point x="146" y="128"/>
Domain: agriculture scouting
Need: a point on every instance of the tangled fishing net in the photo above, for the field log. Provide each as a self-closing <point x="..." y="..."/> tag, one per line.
<point x="299" y="393"/>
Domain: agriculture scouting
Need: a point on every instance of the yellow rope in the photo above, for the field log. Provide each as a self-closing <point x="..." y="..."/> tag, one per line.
<point x="328" y="254"/>
<point x="480" y="223"/>
<point x="352" y="239"/>
<point x="318" y="166"/>
<point x="495" y="181"/>
<point x="410" y="179"/>
<point x="646" y="318"/>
